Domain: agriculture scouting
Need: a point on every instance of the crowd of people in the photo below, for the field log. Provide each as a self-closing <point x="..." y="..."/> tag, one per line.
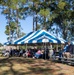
<point x="45" y="53"/>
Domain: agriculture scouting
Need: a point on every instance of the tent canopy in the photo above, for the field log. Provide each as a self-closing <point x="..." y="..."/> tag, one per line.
<point x="39" y="36"/>
<point x="22" y="38"/>
<point x="26" y="37"/>
<point x="7" y="43"/>
<point x="42" y="39"/>
<point x="43" y="35"/>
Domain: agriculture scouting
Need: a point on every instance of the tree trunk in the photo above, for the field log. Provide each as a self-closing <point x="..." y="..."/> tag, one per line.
<point x="33" y="18"/>
<point x="17" y="31"/>
<point x="36" y="21"/>
<point x="9" y="25"/>
<point x="44" y="25"/>
<point x="33" y="23"/>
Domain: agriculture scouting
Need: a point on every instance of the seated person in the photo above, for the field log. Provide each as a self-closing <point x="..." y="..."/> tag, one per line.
<point x="38" y="54"/>
<point x="67" y="50"/>
<point x="61" y="52"/>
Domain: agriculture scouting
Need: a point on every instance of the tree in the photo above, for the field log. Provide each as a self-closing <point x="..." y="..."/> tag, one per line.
<point x="14" y="10"/>
<point x="45" y="13"/>
<point x="63" y="19"/>
<point x="12" y="32"/>
<point x="16" y="6"/>
<point x="34" y="9"/>
<point x="1" y="44"/>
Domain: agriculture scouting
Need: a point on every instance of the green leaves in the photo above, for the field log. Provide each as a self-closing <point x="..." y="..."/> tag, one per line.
<point x="10" y="28"/>
<point x="6" y="11"/>
<point x="44" y="12"/>
<point x="7" y="30"/>
<point x="52" y="16"/>
<point x="62" y="5"/>
<point x="48" y="12"/>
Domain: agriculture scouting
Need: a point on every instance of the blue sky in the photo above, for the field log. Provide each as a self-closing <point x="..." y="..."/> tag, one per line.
<point x="25" y="24"/>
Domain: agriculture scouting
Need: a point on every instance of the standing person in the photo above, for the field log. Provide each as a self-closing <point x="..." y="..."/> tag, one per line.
<point x="51" y="52"/>
<point x="71" y="48"/>
<point x="50" y="46"/>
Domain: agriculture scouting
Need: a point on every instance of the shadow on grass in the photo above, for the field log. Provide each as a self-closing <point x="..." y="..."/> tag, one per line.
<point x="61" y="74"/>
<point x="32" y="70"/>
<point x="17" y="59"/>
<point x="41" y="71"/>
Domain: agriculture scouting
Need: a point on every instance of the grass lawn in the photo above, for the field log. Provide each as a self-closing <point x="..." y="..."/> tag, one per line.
<point x="29" y="66"/>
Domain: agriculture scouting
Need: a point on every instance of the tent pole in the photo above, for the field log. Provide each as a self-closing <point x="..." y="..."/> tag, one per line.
<point x="26" y="46"/>
<point x="57" y="47"/>
<point x="45" y="50"/>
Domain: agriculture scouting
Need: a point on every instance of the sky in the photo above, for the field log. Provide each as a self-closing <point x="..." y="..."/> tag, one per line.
<point x="25" y="24"/>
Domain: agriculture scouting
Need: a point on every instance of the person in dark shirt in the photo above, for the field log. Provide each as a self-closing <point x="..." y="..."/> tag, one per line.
<point x="67" y="50"/>
<point x="73" y="48"/>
